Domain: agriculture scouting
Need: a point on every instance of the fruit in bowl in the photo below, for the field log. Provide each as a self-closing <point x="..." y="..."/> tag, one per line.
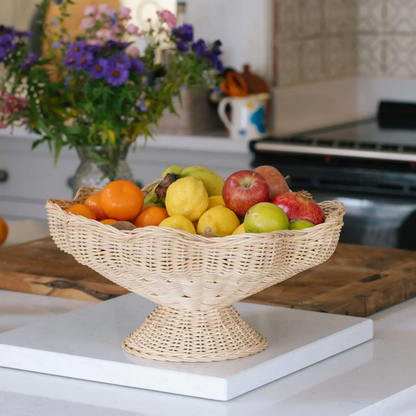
<point x="300" y="206"/>
<point x="194" y="279"/>
<point x="243" y="189"/>
<point x="264" y="218"/>
<point x="275" y="180"/>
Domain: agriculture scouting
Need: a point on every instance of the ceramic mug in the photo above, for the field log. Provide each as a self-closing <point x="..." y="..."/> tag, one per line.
<point x="248" y="116"/>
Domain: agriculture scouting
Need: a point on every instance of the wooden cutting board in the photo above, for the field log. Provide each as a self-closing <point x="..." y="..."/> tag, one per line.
<point x="356" y="281"/>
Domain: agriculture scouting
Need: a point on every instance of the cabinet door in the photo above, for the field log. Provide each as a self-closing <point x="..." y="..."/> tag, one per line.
<point x="31" y="176"/>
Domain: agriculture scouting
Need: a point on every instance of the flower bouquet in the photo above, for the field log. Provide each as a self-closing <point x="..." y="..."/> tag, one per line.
<point x="100" y="91"/>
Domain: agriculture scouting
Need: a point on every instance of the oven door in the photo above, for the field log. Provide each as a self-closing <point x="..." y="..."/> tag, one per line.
<point x="376" y="221"/>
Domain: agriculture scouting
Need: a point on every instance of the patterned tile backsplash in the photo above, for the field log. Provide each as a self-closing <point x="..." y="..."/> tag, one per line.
<point x="320" y="40"/>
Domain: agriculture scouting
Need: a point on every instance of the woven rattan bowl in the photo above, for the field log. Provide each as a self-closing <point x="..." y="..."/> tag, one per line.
<point x="194" y="279"/>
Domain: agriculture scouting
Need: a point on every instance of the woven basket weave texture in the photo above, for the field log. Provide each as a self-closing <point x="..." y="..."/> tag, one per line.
<point x="195" y="279"/>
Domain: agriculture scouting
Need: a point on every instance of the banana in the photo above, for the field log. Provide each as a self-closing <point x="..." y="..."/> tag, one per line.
<point x="213" y="183"/>
<point x="153" y="196"/>
<point x="149" y="203"/>
<point x="172" y="169"/>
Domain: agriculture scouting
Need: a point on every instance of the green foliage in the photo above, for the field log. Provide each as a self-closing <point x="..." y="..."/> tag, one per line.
<point x="68" y="106"/>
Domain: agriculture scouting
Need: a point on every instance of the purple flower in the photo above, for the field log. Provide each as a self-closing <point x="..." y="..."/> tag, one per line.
<point x="216" y="44"/>
<point x="184" y="32"/>
<point x="122" y="45"/>
<point x="99" y="68"/>
<point x="24" y="34"/>
<point x="78" y="46"/>
<point x="121" y="61"/>
<point x="28" y="61"/>
<point x="219" y="66"/>
<point x="58" y="2"/>
<point x="6" y="42"/>
<point x="143" y="106"/>
<point x="71" y="59"/>
<point x="115" y="76"/>
<point x="93" y="48"/>
<point x="55" y="22"/>
<point x="85" y="61"/>
<point x="57" y="43"/>
<point x="182" y="46"/>
<point x="113" y="19"/>
<point x="199" y="47"/>
<point x="137" y="65"/>
<point x="3" y="54"/>
<point x="7" y="29"/>
<point x="111" y="43"/>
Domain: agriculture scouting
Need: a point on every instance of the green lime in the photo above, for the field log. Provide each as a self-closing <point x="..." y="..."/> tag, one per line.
<point x="300" y="225"/>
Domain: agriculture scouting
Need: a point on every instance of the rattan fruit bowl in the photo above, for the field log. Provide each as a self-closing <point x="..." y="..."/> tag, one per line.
<point x="194" y="279"/>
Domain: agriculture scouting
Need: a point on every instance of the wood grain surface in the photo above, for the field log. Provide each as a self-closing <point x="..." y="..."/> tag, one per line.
<point x="356" y="281"/>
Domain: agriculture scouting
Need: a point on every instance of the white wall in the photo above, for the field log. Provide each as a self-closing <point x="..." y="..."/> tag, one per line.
<point x="243" y="26"/>
<point x="17" y="13"/>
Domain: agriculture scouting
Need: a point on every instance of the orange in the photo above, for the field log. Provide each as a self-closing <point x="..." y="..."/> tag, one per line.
<point x="108" y="221"/>
<point x="81" y="209"/>
<point x="4" y="231"/>
<point x="122" y="200"/>
<point x="151" y="216"/>
<point x="93" y="202"/>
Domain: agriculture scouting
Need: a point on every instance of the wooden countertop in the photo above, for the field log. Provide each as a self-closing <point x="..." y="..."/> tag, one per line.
<point x="356" y="280"/>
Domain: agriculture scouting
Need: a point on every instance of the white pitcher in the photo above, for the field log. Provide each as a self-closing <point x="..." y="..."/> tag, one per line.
<point x="248" y="116"/>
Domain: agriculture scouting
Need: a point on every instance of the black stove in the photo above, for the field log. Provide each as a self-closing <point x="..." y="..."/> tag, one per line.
<point x="371" y="170"/>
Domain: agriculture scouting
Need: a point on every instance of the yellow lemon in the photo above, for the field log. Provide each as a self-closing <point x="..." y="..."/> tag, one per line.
<point x="214" y="201"/>
<point x="187" y="197"/>
<point x="239" y="230"/>
<point x="219" y="220"/>
<point x="179" y="222"/>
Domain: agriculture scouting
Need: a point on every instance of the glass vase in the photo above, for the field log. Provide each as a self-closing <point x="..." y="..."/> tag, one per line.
<point x="99" y="166"/>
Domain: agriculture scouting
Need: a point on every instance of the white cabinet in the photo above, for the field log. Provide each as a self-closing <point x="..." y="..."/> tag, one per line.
<point x="32" y="177"/>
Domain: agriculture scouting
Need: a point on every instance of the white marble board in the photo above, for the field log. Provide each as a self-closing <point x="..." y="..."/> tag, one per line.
<point x="86" y="344"/>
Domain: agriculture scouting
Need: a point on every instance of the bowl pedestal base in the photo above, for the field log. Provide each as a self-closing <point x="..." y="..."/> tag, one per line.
<point x="194" y="336"/>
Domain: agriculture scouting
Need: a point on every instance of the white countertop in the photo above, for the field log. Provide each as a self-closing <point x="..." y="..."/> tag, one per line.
<point x="377" y="378"/>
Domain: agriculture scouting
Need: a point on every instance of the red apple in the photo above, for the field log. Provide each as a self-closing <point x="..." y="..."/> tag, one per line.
<point x="300" y="206"/>
<point x="243" y="189"/>
<point x="274" y="179"/>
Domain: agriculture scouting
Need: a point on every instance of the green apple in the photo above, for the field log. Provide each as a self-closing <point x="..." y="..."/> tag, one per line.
<point x="177" y="170"/>
<point x="300" y="225"/>
<point x="265" y="217"/>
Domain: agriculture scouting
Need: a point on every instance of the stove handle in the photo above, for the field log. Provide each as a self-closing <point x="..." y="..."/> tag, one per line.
<point x="4" y="175"/>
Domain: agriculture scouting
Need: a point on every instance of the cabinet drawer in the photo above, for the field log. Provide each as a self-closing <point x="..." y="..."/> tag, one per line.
<point x="34" y="176"/>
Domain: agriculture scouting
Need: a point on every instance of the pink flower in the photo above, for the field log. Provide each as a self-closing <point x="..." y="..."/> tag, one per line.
<point x="132" y="29"/>
<point x="87" y="23"/>
<point x="90" y="11"/>
<point x="114" y="31"/>
<point x="106" y="9"/>
<point x="124" y="12"/>
<point x="168" y="17"/>
<point x="2" y="125"/>
<point x="95" y="42"/>
<point x="133" y="51"/>
<point x="105" y="34"/>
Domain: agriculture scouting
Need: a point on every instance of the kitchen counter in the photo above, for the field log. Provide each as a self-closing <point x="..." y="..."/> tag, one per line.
<point x="377" y="378"/>
<point x="216" y="141"/>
